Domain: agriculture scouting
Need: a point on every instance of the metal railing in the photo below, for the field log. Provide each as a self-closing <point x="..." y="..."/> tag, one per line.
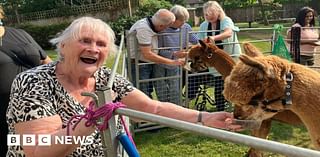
<point x="110" y="143"/>
<point x="112" y="146"/>
<point x="258" y="143"/>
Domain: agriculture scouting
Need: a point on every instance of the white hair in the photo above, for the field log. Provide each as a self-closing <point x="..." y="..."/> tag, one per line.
<point x="214" y="7"/>
<point x="180" y="12"/>
<point x="73" y="32"/>
<point x="163" y="17"/>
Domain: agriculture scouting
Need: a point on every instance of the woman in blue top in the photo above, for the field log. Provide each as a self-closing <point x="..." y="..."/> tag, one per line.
<point x="221" y="30"/>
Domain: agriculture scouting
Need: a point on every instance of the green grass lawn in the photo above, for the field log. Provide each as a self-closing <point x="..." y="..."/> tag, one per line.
<point x="169" y="142"/>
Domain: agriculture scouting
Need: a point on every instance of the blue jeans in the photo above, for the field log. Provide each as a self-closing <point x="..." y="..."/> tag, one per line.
<point x="168" y="89"/>
<point x="145" y="72"/>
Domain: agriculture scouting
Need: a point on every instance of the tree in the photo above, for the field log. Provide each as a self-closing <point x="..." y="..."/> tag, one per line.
<point x="180" y="2"/>
<point x="38" y="5"/>
<point x="12" y="6"/>
<point x="263" y="13"/>
<point x="315" y="5"/>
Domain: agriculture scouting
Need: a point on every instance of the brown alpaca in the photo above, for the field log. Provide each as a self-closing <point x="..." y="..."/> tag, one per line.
<point x="208" y="55"/>
<point x="224" y="64"/>
<point x="263" y="79"/>
<point x="286" y="116"/>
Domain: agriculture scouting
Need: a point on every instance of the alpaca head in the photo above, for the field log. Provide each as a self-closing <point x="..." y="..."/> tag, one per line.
<point x="200" y="56"/>
<point x="209" y="55"/>
<point x="254" y="81"/>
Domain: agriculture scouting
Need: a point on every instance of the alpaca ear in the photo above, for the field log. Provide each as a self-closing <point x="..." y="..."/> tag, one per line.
<point x="202" y="43"/>
<point x="210" y="40"/>
<point x="251" y="61"/>
<point x="251" y="50"/>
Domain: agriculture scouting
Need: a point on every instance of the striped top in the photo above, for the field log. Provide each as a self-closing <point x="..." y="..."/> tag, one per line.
<point x="173" y="41"/>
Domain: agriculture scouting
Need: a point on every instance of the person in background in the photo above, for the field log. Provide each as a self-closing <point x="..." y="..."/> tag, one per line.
<point x="309" y="36"/>
<point x="146" y="31"/>
<point x="168" y="90"/>
<point x="221" y="30"/>
<point x="18" y="52"/>
<point x="51" y="94"/>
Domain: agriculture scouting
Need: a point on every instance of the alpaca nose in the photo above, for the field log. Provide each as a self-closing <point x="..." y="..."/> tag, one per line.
<point x="237" y="113"/>
<point x="236" y="116"/>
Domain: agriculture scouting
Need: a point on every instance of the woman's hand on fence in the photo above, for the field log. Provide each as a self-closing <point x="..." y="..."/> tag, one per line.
<point x="222" y="120"/>
<point x="209" y="39"/>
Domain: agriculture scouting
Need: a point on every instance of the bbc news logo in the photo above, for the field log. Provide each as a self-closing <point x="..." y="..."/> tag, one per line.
<point x="46" y="140"/>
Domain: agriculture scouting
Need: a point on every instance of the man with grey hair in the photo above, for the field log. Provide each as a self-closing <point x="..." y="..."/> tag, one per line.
<point x="168" y="90"/>
<point x="146" y="31"/>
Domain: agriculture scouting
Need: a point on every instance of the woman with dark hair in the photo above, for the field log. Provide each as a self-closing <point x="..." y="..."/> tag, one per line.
<point x="306" y="17"/>
<point x="307" y="38"/>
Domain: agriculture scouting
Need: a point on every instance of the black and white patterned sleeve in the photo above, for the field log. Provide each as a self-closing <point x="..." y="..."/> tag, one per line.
<point x="30" y="99"/>
<point x="121" y="86"/>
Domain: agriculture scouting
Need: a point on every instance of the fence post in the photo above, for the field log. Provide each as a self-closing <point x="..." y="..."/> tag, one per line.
<point x="273" y="39"/>
<point x="295" y="43"/>
<point x="108" y="137"/>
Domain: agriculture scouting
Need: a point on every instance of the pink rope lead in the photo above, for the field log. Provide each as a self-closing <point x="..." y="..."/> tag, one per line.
<point x="126" y="130"/>
<point x="92" y="117"/>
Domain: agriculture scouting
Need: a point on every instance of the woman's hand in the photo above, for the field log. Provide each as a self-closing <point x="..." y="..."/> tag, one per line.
<point x="180" y="54"/>
<point x="310" y="42"/>
<point x="209" y="39"/>
<point x="178" y="62"/>
<point x="222" y="120"/>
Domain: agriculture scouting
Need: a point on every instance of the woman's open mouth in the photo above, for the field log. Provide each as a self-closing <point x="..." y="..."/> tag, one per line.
<point x="89" y="60"/>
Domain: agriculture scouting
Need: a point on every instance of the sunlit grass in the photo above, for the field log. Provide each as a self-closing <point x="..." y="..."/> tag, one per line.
<point x="177" y="143"/>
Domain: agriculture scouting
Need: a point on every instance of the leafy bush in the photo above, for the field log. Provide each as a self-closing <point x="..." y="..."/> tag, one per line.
<point x="190" y="22"/>
<point x="123" y="23"/>
<point x="147" y="8"/>
<point x="42" y="34"/>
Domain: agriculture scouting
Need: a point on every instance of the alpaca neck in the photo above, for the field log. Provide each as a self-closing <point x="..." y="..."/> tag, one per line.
<point x="310" y="118"/>
<point x="222" y="62"/>
<point x="306" y="101"/>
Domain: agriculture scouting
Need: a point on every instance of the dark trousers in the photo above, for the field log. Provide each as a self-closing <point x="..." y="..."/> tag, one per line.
<point x="4" y="99"/>
<point x="306" y="60"/>
<point x="145" y="72"/>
